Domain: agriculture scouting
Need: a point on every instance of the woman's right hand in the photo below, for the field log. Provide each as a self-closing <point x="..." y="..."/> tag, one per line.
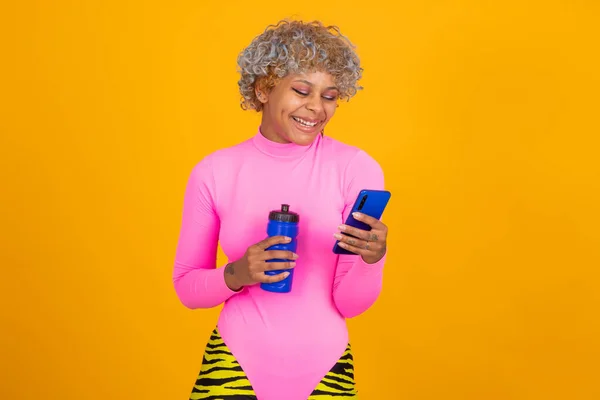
<point x="250" y="269"/>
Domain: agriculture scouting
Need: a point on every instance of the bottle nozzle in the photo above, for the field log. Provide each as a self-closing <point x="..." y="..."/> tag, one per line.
<point x="285" y="207"/>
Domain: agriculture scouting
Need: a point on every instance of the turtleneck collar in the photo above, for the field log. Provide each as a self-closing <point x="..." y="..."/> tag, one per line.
<point x="285" y="150"/>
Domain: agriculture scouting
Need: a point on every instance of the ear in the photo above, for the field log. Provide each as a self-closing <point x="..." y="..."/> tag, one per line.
<point x="261" y="94"/>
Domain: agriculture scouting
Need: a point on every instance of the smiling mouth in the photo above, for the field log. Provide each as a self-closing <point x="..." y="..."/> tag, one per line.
<point x="303" y="122"/>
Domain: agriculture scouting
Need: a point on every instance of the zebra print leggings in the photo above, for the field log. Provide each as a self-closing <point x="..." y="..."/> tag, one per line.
<point x="221" y="376"/>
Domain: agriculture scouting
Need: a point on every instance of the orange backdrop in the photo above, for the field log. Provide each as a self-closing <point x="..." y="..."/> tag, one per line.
<point x="484" y="117"/>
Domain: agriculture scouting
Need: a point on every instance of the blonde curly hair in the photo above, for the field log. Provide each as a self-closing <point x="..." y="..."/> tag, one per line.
<point x="294" y="47"/>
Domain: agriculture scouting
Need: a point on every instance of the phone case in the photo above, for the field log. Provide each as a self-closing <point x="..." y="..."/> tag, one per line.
<point x="373" y="205"/>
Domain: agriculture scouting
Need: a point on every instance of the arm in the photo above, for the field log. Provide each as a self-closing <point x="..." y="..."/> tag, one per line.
<point x="198" y="283"/>
<point x="357" y="284"/>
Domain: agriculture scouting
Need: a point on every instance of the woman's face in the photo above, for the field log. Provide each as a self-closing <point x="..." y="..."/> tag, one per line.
<point x="297" y="109"/>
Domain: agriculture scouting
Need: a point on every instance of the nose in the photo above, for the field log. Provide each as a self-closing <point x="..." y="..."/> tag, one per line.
<point x="314" y="103"/>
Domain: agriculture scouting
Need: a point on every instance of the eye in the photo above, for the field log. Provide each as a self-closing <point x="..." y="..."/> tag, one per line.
<point x="300" y="92"/>
<point x="330" y="98"/>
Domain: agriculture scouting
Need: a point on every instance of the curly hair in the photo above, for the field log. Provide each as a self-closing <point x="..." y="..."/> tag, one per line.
<point x="294" y="47"/>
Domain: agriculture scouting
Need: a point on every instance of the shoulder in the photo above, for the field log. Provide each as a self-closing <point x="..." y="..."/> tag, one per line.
<point x="351" y="158"/>
<point x="216" y="166"/>
<point x="223" y="157"/>
<point x="359" y="169"/>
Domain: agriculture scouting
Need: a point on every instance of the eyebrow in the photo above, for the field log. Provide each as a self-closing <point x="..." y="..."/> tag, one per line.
<point x="310" y="84"/>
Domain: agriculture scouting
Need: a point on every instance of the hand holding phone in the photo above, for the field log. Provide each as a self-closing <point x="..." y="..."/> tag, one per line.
<point x="363" y="232"/>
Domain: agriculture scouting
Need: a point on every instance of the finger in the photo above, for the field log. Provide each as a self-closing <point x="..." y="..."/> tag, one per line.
<point x="278" y="254"/>
<point x="367" y="246"/>
<point x="272" y="278"/>
<point x="355" y="249"/>
<point x="371" y="221"/>
<point x="357" y="233"/>
<point x="353" y="241"/>
<point x="274" y="266"/>
<point x="272" y="240"/>
<point x="377" y="236"/>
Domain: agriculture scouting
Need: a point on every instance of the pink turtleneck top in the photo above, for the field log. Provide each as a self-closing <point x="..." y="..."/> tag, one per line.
<point x="285" y="342"/>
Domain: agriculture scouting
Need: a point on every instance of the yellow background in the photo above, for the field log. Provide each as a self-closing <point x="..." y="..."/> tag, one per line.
<point x="483" y="114"/>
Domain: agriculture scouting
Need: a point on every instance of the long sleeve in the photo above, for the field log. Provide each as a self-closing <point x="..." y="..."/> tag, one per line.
<point x="357" y="285"/>
<point x="197" y="281"/>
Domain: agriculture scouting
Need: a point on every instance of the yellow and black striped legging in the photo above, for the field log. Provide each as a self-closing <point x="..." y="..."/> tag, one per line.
<point x="221" y="376"/>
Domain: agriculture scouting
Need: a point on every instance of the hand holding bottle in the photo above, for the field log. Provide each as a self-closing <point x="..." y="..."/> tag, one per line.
<point x="250" y="269"/>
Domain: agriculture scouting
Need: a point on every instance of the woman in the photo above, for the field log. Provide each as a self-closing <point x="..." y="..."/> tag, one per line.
<point x="283" y="346"/>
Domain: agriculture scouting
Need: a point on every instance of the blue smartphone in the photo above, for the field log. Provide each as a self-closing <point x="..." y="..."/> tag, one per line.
<point x="369" y="202"/>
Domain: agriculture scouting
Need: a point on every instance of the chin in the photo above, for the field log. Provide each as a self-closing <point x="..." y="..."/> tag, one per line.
<point x="303" y="138"/>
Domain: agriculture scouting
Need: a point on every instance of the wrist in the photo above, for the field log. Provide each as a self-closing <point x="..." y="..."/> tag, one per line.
<point x="374" y="259"/>
<point x="230" y="278"/>
<point x="370" y="261"/>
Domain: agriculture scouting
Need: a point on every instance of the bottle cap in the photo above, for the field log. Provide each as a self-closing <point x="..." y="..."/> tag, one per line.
<point x="284" y="215"/>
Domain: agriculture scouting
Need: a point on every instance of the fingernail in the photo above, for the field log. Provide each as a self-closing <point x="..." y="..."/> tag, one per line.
<point x="294" y="256"/>
<point x="288" y="239"/>
<point x="337" y="236"/>
<point x="342" y="244"/>
<point x="342" y="227"/>
<point x="285" y="275"/>
<point x="292" y="264"/>
<point x="356" y="215"/>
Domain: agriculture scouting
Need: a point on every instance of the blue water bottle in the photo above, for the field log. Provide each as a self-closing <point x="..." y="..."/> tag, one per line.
<point x="285" y="223"/>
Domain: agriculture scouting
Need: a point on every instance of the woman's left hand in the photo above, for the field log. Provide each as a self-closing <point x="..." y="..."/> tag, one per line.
<point x="370" y="245"/>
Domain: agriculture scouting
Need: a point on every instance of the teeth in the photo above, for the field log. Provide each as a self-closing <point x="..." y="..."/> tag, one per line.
<point x="305" y="123"/>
